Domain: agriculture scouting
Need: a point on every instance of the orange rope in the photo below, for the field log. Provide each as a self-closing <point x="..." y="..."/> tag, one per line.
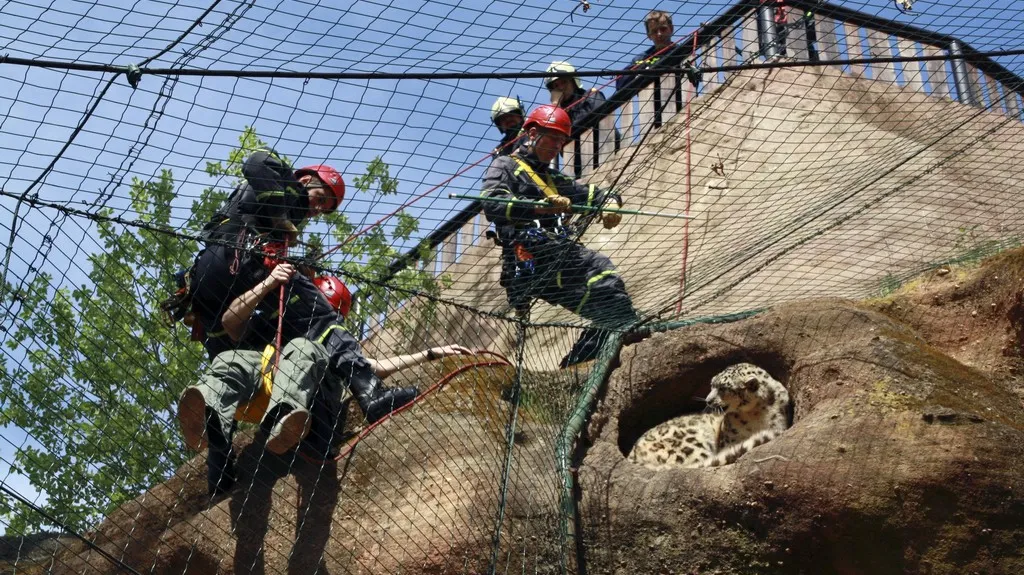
<point x="280" y="320"/>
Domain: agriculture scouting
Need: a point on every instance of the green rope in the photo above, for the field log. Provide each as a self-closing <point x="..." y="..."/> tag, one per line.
<point x="574" y="207"/>
<point x="585" y="405"/>
<point x="571" y="431"/>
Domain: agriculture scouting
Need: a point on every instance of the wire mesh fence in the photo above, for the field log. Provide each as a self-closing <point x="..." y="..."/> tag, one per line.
<point x="802" y="149"/>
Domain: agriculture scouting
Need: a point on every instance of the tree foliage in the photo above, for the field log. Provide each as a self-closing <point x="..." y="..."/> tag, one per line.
<point x="93" y="372"/>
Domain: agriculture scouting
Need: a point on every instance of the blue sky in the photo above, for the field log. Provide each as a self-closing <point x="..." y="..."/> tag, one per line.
<point x="426" y="130"/>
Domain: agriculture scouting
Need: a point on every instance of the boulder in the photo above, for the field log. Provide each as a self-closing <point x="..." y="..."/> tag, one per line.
<point x="900" y="459"/>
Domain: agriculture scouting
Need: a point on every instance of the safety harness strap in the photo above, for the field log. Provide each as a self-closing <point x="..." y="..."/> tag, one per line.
<point x="327" y="332"/>
<point x="546" y="185"/>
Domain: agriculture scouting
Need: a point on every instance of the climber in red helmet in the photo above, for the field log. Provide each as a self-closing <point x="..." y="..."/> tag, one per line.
<point x="541" y="257"/>
<point x="244" y="242"/>
<point x="261" y="217"/>
<point x="296" y="398"/>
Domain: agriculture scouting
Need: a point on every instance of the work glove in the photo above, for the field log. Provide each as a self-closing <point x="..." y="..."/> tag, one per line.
<point x="611" y="219"/>
<point x="562" y="204"/>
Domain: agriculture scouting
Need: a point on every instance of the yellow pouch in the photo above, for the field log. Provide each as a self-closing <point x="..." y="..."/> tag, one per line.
<point x="253" y="410"/>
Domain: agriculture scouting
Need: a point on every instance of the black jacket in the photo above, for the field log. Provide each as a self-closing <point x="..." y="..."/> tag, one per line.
<point x="641" y="61"/>
<point x="270" y="193"/>
<point x="586" y="102"/>
<point x="507" y="180"/>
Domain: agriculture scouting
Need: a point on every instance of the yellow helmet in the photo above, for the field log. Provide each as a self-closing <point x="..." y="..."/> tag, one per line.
<point x="560" y="68"/>
<point x="506" y="105"/>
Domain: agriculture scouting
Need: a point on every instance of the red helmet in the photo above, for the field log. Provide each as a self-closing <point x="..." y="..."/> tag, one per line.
<point x="550" y="117"/>
<point x="336" y="293"/>
<point x="330" y="177"/>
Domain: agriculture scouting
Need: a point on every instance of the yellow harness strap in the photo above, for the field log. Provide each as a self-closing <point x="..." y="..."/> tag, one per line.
<point x="548" y="186"/>
<point x="253" y="410"/>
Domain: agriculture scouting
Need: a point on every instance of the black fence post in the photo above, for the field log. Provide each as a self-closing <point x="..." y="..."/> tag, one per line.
<point x="658" y="104"/>
<point x="961" y="79"/>
<point x="767" y="32"/>
<point x="811" y="36"/>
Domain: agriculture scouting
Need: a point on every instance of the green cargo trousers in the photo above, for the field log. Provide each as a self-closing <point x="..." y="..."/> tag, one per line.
<point x="234" y="377"/>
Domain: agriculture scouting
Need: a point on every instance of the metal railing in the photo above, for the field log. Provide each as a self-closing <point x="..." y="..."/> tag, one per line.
<point x="754" y="31"/>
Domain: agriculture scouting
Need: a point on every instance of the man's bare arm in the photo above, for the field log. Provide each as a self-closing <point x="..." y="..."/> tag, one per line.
<point x="236" y="317"/>
<point x="386" y="367"/>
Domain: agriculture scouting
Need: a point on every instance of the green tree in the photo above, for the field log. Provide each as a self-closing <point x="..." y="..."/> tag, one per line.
<point x="102" y="369"/>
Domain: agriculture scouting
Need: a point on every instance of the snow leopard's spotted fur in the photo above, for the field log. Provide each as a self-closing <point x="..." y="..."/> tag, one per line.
<point x="753" y="412"/>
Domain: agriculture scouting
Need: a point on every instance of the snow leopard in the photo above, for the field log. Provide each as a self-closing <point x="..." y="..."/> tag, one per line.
<point x="750" y="410"/>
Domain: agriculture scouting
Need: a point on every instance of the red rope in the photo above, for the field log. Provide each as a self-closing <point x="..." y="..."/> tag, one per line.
<point x="280" y="320"/>
<point x="433" y="388"/>
<point x="686" y="222"/>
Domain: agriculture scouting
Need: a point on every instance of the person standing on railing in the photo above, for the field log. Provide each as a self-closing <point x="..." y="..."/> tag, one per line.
<point x="540" y="254"/>
<point x="659" y="30"/>
<point x="507" y="114"/>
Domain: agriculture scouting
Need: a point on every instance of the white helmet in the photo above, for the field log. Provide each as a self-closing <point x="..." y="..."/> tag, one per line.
<point x="560" y="68"/>
<point x="506" y="105"/>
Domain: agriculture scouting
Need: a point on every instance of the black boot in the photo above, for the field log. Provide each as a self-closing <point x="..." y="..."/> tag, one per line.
<point x="374" y="399"/>
<point x="220" y="471"/>
<point x="586" y="348"/>
<point x="220" y="462"/>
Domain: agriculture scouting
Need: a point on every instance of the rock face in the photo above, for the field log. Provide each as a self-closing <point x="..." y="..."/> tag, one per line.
<point x="900" y="459"/>
<point x="906" y="455"/>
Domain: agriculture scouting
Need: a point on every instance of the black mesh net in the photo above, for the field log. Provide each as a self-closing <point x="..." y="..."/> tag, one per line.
<point x="769" y="152"/>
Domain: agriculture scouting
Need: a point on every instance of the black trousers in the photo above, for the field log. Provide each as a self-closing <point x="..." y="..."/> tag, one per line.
<point x="569" y="275"/>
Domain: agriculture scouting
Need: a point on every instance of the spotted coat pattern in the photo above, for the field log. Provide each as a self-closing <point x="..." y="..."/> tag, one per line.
<point x="750" y="410"/>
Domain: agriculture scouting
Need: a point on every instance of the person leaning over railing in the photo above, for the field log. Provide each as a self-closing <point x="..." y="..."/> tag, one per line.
<point x="507" y="115"/>
<point x="539" y="253"/>
<point x="566" y="90"/>
<point x="659" y="30"/>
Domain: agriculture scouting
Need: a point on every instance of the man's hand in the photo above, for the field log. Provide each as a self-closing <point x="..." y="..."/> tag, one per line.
<point x="559" y="205"/>
<point x="236" y="317"/>
<point x="611" y="219"/>
<point x="281" y="273"/>
<point x="450" y="350"/>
